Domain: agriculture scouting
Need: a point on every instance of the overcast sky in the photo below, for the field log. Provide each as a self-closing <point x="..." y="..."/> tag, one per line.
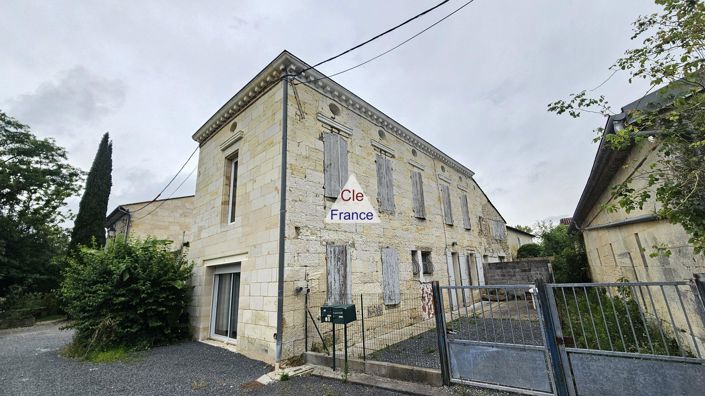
<point x="476" y="86"/>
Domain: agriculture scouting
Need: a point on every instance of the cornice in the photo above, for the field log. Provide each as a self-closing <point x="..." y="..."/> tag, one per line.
<point x="288" y="64"/>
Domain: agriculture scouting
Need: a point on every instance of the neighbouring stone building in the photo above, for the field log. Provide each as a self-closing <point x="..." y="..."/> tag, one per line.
<point x="272" y="160"/>
<point x="630" y="246"/>
<point x="168" y="219"/>
<point x="516" y="238"/>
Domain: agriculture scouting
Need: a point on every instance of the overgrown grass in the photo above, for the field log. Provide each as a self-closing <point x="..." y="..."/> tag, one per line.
<point x="592" y="319"/>
<point x="109" y="355"/>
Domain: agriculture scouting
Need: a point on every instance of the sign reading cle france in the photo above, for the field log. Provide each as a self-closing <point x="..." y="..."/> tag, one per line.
<point x="352" y="205"/>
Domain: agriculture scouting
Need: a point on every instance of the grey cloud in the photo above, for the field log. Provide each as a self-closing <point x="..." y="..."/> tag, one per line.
<point x="77" y="97"/>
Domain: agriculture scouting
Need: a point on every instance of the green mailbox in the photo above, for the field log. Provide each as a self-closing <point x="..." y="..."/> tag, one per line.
<point x="338" y="314"/>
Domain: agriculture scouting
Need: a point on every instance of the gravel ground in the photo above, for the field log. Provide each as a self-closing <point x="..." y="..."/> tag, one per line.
<point x="30" y="365"/>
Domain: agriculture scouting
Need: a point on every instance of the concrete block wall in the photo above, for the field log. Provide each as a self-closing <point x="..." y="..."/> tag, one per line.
<point x="518" y="272"/>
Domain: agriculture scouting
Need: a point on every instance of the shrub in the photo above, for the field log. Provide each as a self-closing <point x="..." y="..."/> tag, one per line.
<point x="132" y="293"/>
<point x="529" y="250"/>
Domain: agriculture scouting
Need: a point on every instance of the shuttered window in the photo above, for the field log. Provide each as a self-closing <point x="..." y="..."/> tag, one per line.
<point x="390" y="276"/>
<point x="465" y="210"/>
<point x="338" y="277"/>
<point x="417" y="195"/>
<point x="426" y="262"/>
<point x="414" y="262"/>
<point x="335" y="164"/>
<point x="385" y="184"/>
<point x="447" y="209"/>
<point x="499" y="230"/>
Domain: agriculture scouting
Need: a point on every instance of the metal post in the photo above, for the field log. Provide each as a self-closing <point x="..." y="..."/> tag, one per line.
<point x="441" y="332"/>
<point x="345" y="340"/>
<point x="362" y="315"/>
<point x="553" y="338"/>
<point x="305" y="322"/>
<point x="699" y="280"/>
<point x="333" y="346"/>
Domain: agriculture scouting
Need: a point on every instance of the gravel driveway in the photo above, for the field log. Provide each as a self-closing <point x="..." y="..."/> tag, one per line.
<point x="30" y="365"/>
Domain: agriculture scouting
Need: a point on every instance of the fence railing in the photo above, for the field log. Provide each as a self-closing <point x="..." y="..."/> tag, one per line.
<point x="403" y="333"/>
<point x="497" y="314"/>
<point x="637" y="317"/>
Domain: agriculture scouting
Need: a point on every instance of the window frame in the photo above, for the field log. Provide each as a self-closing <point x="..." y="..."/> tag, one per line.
<point x="232" y="189"/>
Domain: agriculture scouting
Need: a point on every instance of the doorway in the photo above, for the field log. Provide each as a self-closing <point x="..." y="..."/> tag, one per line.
<point x="226" y="301"/>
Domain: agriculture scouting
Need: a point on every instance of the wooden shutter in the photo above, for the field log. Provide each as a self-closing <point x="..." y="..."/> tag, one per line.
<point x="465" y="210"/>
<point x="385" y="184"/>
<point x="390" y="276"/>
<point x="426" y="262"/>
<point x="498" y="230"/>
<point x="417" y="195"/>
<point x="414" y="262"/>
<point x="464" y="277"/>
<point x="447" y="210"/>
<point x="338" y="275"/>
<point x="335" y="164"/>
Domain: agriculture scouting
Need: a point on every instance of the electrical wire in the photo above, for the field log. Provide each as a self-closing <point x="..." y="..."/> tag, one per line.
<point x="168" y="184"/>
<point x="391" y="49"/>
<point x="375" y="37"/>
<point x="170" y="195"/>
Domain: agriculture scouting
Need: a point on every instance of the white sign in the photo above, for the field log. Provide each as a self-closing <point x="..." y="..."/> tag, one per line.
<point x="352" y="205"/>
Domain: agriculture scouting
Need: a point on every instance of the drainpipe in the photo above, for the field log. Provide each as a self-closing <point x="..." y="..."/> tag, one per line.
<point x="282" y="226"/>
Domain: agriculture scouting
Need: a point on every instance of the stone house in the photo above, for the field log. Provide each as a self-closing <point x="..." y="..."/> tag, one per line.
<point x="272" y="161"/>
<point x="517" y="238"/>
<point x="168" y="219"/>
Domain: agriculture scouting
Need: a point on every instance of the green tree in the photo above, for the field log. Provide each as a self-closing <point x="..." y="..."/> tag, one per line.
<point x="671" y="56"/>
<point x="89" y="226"/>
<point x="529" y="250"/>
<point x="35" y="181"/>
<point x="570" y="263"/>
<point x="524" y="228"/>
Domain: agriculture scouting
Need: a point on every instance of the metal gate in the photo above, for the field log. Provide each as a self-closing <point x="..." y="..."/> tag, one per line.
<point x="494" y="338"/>
<point x="636" y="338"/>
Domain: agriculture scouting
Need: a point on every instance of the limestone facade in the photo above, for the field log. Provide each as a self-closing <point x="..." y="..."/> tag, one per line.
<point x="168" y="219"/>
<point x="249" y="128"/>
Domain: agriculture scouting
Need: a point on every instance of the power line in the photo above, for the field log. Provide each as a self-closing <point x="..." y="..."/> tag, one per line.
<point x="170" y="195"/>
<point x="375" y="37"/>
<point x="170" y="181"/>
<point x="393" y="48"/>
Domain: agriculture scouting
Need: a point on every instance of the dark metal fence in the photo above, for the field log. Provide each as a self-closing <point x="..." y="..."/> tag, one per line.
<point x="635" y="317"/>
<point x="403" y="333"/>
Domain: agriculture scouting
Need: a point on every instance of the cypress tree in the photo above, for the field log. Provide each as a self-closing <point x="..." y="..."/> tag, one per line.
<point x="90" y="220"/>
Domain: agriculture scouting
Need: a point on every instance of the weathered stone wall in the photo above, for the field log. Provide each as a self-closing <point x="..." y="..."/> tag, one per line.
<point x="167" y="219"/>
<point x="515" y="240"/>
<point x="626" y="251"/>
<point x="307" y="234"/>
<point x="518" y="272"/>
<point x="252" y="238"/>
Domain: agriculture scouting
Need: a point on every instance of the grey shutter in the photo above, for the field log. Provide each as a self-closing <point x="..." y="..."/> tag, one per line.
<point x="426" y="262"/>
<point x="417" y="195"/>
<point x="390" y="276"/>
<point x="447" y="210"/>
<point x="385" y="184"/>
<point x="338" y="275"/>
<point x="466" y="211"/>
<point x="335" y="164"/>
<point x="498" y="230"/>
<point x="414" y="262"/>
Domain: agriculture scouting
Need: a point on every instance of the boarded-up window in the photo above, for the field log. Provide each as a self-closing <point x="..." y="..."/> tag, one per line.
<point x="426" y="262"/>
<point x="498" y="229"/>
<point x="417" y="195"/>
<point x="414" y="262"/>
<point x="390" y="276"/>
<point x="385" y="184"/>
<point x="335" y="163"/>
<point x="447" y="210"/>
<point x="465" y="210"/>
<point x="338" y="275"/>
